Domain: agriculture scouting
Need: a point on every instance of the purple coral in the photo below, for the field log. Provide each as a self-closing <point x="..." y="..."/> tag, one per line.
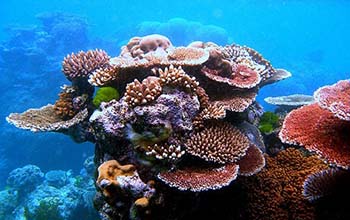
<point x="176" y="108"/>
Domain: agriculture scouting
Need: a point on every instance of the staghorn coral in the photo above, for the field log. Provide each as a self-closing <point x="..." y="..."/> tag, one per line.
<point x="218" y="142"/>
<point x="64" y="105"/>
<point x="82" y="64"/>
<point x="276" y="191"/>
<point x="200" y="179"/>
<point x="318" y="130"/>
<point x="138" y="93"/>
<point x="335" y="98"/>
<point x="252" y="162"/>
<point x="44" y="119"/>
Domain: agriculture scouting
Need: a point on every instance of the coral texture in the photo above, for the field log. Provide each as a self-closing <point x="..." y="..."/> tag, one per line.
<point x="196" y="179"/>
<point x="335" y="98"/>
<point x="252" y="162"/>
<point x="318" y="130"/>
<point x="82" y="64"/>
<point x="44" y="119"/>
<point x="276" y="191"/>
<point x="218" y="142"/>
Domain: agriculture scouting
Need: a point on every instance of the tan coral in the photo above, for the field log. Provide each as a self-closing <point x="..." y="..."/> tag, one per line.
<point x="64" y="105"/>
<point x="108" y="173"/>
<point x="44" y="119"/>
<point x="82" y="64"/>
<point x="187" y="56"/>
<point x="218" y="142"/>
<point x="177" y="77"/>
<point x="103" y="75"/>
<point x="236" y="101"/>
<point x="138" y="93"/>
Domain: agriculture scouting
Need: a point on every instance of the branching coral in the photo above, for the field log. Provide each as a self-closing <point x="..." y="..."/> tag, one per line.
<point x="82" y="64"/>
<point x="218" y="142"/>
<point x="64" y="105"/>
<point x="276" y="191"/>
<point x="138" y="93"/>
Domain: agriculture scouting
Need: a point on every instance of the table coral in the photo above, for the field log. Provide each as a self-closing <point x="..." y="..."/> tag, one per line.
<point x="318" y="130"/>
<point x="335" y="98"/>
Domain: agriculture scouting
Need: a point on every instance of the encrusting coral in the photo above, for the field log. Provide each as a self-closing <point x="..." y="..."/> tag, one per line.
<point x="184" y="119"/>
<point x="276" y="191"/>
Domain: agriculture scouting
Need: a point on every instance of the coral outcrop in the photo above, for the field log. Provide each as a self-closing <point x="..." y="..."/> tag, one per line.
<point x="187" y="120"/>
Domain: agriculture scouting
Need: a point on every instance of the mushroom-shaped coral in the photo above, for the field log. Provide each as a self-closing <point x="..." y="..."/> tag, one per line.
<point x="276" y="191"/>
<point x="335" y="98"/>
<point x="218" y="142"/>
<point x="82" y="64"/>
<point x="44" y="119"/>
<point x="139" y="46"/>
<point x="138" y="93"/>
<point x="200" y="179"/>
<point x="318" y="130"/>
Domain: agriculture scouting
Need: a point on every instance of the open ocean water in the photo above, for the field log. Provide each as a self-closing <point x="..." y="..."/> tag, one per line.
<point x="310" y="39"/>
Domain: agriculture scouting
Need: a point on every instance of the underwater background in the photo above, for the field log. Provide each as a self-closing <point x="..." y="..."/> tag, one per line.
<point x="308" y="38"/>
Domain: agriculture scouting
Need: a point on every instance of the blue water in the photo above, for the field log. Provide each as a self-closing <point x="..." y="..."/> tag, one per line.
<point x="308" y="38"/>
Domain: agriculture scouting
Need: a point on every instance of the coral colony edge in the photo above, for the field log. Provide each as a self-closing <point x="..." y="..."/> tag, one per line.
<point x="171" y="124"/>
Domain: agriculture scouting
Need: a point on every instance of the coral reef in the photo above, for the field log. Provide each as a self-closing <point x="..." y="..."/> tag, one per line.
<point x="187" y="120"/>
<point x="320" y="130"/>
<point x="287" y="103"/>
<point x="31" y="194"/>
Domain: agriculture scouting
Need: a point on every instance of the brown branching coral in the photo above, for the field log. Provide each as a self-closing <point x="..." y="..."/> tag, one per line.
<point x="218" y="142"/>
<point x="44" y="119"/>
<point x="64" y="105"/>
<point x="138" y="93"/>
<point x="276" y="191"/>
<point x="200" y="179"/>
<point x="82" y="64"/>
